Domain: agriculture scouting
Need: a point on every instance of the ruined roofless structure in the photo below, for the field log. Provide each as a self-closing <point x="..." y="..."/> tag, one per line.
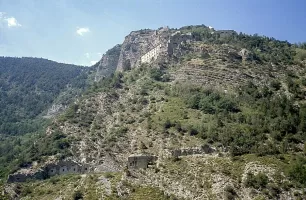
<point x="51" y="169"/>
<point x="140" y="161"/>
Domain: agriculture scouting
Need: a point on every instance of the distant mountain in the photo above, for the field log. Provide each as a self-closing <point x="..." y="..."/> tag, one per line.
<point x="29" y="86"/>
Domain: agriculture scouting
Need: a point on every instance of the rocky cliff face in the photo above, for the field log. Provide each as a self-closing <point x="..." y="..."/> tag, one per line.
<point x="108" y="63"/>
<point x="139" y="43"/>
<point x="128" y="54"/>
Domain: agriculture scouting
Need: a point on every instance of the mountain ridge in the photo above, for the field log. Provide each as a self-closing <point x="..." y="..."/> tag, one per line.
<point x="222" y="112"/>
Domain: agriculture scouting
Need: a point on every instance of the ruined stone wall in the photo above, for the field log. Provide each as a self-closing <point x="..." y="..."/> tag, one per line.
<point x="51" y="169"/>
<point x="66" y="167"/>
<point x="23" y="177"/>
<point x="140" y="161"/>
<point x="226" y="33"/>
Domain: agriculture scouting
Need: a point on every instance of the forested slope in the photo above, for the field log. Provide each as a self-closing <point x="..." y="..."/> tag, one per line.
<point x="28" y="86"/>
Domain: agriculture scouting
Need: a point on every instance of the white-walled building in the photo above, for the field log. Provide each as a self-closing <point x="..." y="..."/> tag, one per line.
<point x="151" y="54"/>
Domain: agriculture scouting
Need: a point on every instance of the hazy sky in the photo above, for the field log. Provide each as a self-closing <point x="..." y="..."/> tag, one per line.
<point x="80" y="31"/>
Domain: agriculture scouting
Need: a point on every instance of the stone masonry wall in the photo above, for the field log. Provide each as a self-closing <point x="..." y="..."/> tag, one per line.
<point x="51" y="169"/>
<point x="140" y="161"/>
<point x="151" y="54"/>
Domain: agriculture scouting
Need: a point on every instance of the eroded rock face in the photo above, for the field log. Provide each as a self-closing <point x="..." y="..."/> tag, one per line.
<point x="108" y="63"/>
<point x="141" y="47"/>
<point x="138" y="43"/>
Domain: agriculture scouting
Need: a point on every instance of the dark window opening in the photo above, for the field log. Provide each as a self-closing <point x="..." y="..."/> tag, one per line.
<point x="86" y="168"/>
<point x="63" y="169"/>
<point x="73" y="169"/>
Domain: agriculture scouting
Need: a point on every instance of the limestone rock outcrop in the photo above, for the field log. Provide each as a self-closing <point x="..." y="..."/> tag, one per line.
<point x="138" y="43"/>
<point x="141" y="46"/>
<point x="108" y="63"/>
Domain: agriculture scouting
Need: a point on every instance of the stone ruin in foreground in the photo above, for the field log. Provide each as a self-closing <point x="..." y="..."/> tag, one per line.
<point x="134" y="162"/>
<point x="49" y="170"/>
<point x="143" y="161"/>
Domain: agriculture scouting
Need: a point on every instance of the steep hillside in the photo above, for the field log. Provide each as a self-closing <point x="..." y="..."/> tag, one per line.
<point x="30" y="86"/>
<point x="190" y="113"/>
<point x="32" y="90"/>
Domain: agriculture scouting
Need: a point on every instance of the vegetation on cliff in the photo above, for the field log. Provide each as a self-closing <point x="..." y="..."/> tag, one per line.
<point x="256" y="122"/>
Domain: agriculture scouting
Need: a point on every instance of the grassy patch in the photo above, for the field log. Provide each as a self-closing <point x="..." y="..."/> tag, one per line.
<point x="148" y="193"/>
<point x="176" y="110"/>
